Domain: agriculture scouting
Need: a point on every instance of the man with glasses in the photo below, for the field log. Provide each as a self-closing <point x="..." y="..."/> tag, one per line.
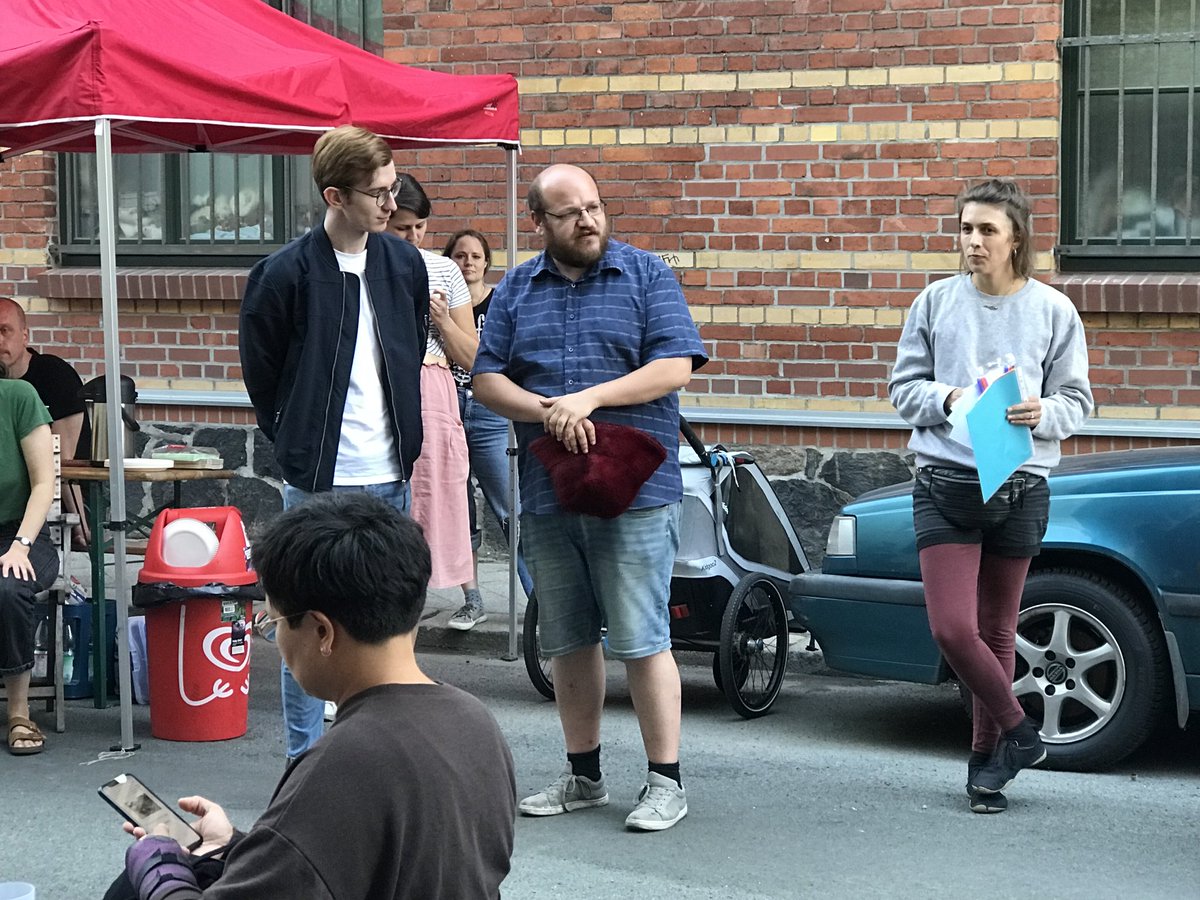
<point x="594" y="330"/>
<point x="332" y="336"/>
<point x="411" y="794"/>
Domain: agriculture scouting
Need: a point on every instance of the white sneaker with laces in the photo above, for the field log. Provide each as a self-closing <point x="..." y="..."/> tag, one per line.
<point x="660" y="805"/>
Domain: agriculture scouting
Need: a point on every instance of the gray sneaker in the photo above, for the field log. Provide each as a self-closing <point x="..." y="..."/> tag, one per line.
<point x="468" y="616"/>
<point x="660" y="805"/>
<point x="566" y="793"/>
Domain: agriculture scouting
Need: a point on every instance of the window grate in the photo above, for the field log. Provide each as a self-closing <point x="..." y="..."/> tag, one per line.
<point x="1129" y="112"/>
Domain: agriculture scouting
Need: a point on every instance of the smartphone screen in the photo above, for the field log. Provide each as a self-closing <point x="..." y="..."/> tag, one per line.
<point x="139" y="805"/>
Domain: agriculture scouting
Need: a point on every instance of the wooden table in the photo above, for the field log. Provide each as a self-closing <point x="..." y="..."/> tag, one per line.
<point x="94" y="478"/>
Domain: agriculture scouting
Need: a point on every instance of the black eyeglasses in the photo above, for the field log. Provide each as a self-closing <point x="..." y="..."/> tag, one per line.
<point x="593" y="210"/>
<point x="380" y="194"/>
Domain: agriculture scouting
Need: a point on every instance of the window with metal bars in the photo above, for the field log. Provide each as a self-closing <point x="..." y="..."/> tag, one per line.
<point x="1131" y="170"/>
<point x="208" y="208"/>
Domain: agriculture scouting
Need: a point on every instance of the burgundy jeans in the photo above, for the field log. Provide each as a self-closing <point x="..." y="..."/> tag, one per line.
<point x="972" y="598"/>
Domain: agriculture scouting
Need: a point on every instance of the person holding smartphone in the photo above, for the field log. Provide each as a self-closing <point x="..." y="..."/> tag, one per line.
<point x="345" y="577"/>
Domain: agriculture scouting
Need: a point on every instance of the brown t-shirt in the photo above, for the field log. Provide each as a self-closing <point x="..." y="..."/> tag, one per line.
<point x="411" y="794"/>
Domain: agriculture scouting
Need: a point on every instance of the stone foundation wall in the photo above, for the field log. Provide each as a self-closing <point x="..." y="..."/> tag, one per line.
<point x="812" y="484"/>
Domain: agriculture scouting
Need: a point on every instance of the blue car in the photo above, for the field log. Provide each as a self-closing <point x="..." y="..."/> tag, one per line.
<point x="1108" y="639"/>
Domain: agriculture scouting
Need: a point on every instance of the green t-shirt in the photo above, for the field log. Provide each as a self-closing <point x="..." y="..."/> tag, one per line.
<point x="21" y="411"/>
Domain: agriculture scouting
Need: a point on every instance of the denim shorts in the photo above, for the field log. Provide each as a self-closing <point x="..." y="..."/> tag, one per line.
<point x="592" y="572"/>
<point x="948" y="508"/>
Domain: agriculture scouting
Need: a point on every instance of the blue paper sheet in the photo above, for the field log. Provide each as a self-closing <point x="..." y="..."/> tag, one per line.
<point x="1000" y="447"/>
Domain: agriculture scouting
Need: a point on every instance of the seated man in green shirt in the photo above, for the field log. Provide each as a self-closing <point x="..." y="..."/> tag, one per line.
<point x="28" y="561"/>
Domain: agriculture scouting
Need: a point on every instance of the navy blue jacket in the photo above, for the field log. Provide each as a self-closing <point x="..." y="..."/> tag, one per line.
<point x="299" y="323"/>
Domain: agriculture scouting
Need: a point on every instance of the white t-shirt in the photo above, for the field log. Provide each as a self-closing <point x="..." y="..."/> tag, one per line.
<point x="366" y="448"/>
<point x="444" y="276"/>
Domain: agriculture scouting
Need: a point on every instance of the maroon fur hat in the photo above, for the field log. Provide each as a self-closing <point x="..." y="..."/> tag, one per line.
<point x="603" y="481"/>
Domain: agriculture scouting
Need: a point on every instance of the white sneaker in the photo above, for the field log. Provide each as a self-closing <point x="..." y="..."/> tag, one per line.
<point x="660" y="805"/>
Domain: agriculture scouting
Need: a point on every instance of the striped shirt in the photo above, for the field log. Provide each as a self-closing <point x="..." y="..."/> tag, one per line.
<point x="445" y="276"/>
<point x="553" y="336"/>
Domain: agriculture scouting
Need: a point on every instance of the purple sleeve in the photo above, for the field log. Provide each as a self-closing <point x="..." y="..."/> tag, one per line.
<point x="158" y="869"/>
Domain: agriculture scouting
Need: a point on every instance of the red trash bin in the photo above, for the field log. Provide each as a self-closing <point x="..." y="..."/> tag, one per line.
<point x="197" y="635"/>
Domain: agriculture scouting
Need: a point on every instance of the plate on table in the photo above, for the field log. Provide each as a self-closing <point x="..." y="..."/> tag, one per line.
<point x="144" y="464"/>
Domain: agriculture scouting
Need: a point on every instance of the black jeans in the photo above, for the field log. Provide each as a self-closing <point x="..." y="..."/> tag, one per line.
<point x="16" y="600"/>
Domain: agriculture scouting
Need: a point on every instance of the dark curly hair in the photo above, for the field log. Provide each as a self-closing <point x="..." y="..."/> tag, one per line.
<point x="351" y="556"/>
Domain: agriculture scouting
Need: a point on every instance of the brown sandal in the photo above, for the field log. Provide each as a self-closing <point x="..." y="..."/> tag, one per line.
<point x="33" y="734"/>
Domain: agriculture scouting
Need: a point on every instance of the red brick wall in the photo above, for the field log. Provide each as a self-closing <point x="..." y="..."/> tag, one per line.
<point x="27" y="216"/>
<point x="794" y="160"/>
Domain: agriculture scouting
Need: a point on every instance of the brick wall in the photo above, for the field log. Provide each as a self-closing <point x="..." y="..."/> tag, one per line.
<point x="27" y="215"/>
<point x="795" y="161"/>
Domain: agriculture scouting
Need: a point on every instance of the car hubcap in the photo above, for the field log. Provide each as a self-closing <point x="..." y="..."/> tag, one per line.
<point x="1070" y="672"/>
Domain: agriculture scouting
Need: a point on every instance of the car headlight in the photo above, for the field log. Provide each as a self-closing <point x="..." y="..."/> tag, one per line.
<point x="843" y="537"/>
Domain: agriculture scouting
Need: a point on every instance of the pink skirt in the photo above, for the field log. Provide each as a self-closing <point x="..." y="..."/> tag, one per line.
<point x="439" y="481"/>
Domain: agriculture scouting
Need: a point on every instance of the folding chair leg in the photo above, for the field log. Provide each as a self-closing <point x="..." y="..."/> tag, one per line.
<point x="60" y="706"/>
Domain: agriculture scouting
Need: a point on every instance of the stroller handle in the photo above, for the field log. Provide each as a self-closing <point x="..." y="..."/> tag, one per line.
<point x="694" y="442"/>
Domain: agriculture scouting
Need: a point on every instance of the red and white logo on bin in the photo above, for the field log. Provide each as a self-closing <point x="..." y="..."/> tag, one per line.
<point x="219" y="651"/>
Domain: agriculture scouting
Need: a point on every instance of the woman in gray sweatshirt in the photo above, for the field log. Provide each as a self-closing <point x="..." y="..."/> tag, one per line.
<point x="974" y="554"/>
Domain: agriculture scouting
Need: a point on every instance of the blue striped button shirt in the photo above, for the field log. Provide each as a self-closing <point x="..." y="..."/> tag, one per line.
<point x="553" y="336"/>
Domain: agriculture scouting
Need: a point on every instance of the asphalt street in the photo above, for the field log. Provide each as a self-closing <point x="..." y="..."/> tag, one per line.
<point x="850" y="788"/>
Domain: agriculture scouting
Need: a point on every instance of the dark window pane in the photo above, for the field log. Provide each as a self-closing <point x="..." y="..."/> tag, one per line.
<point x="1139" y="17"/>
<point x="1104" y="16"/>
<point x="1131" y="176"/>
<point x="197" y="205"/>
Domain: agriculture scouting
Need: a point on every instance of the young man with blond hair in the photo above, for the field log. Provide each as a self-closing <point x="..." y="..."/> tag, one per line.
<point x="332" y="337"/>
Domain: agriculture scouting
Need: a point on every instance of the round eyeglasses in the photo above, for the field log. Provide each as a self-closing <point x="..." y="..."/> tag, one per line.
<point x="380" y="194"/>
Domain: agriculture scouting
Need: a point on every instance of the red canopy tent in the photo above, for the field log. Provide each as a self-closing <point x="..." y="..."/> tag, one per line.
<point x="153" y="76"/>
<point x="217" y="75"/>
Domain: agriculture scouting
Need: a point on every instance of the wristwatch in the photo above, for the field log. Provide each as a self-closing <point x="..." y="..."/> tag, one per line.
<point x="23" y="541"/>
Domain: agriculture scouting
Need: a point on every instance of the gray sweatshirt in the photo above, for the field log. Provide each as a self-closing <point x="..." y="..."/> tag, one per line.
<point x="953" y="331"/>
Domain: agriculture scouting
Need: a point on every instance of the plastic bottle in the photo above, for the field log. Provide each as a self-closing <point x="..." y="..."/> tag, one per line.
<point x="68" y="652"/>
<point x="41" y="649"/>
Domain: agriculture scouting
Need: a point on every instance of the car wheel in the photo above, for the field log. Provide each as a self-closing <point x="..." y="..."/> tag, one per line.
<point x="1090" y="668"/>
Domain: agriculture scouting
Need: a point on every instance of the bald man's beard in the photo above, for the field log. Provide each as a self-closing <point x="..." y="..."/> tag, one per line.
<point x="569" y="252"/>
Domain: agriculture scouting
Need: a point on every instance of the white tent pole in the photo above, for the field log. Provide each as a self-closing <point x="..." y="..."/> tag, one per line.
<point x="116" y="426"/>
<point x="514" y="525"/>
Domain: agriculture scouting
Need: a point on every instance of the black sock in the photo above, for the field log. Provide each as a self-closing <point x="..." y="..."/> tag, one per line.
<point x="667" y="770"/>
<point x="586" y="764"/>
